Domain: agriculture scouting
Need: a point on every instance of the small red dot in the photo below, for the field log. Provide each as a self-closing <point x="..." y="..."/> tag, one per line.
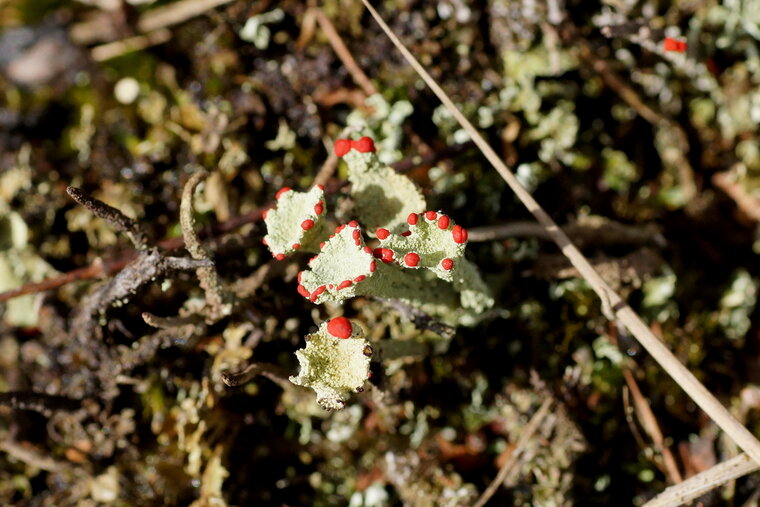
<point x="321" y="187"/>
<point x="265" y="242"/>
<point x="313" y="259"/>
<point x="300" y="275"/>
<point x="411" y="259"/>
<point x="321" y="245"/>
<point x="387" y="255"/>
<point x="412" y="219"/>
<point x="443" y="222"/>
<point x="318" y="208"/>
<point x="359" y="278"/>
<point x="344" y="284"/>
<point x="340" y="327"/>
<point x="407" y="233"/>
<point x="319" y="290"/>
<point x="356" y="235"/>
<point x="353" y="223"/>
<point x="264" y="214"/>
<point x="279" y="256"/>
<point x="372" y="266"/>
<point x="377" y="252"/>
<point x="364" y="145"/>
<point x="281" y="191"/>
<point x="382" y="233"/>
<point x="342" y="146"/>
<point x="447" y="264"/>
<point x="307" y="224"/>
<point x="431" y="215"/>
<point x="340" y="228"/>
<point x="302" y="291"/>
<point x="459" y="233"/>
<point x="296" y="246"/>
<point x="368" y="250"/>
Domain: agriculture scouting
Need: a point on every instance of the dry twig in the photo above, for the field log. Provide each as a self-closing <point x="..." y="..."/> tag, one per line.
<point x="525" y="436"/>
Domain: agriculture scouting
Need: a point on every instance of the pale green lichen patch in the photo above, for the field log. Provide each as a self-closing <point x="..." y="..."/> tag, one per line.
<point x="297" y="222"/>
<point x="334" y="367"/>
<point x="342" y="267"/>
<point x="383" y="197"/>
<point x="473" y="291"/>
<point x="433" y="242"/>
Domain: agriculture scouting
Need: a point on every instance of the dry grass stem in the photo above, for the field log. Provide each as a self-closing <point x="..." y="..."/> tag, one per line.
<point x="525" y="436"/>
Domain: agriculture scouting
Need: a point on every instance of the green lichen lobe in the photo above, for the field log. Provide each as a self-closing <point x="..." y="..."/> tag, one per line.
<point x="334" y="367"/>
<point x="340" y="270"/>
<point x="383" y="197"/>
<point x="295" y="221"/>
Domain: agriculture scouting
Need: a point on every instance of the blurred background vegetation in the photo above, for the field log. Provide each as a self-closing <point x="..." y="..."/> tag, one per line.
<point x="649" y="157"/>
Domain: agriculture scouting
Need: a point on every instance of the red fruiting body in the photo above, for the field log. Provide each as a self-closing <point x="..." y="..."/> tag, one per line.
<point x="279" y="256"/>
<point x="264" y="214"/>
<point x="671" y="44"/>
<point x="364" y="145"/>
<point x="407" y="233"/>
<point x="302" y="291"/>
<point x="431" y="215"/>
<point x="342" y="146"/>
<point x="281" y="191"/>
<point x="447" y="264"/>
<point x="382" y="233"/>
<point x="359" y="278"/>
<point x="313" y="259"/>
<point x="459" y="233"/>
<point x="307" y="224"/>
<point x="319" y="290"/>
<point x="318" y="208"/>
<point x="321" y="245"/>
<point x="412" y="219"/>
<point x="443" y="222"/>
<point x="264" y="241"/>
<point x="340" y="327"/>
<point x="372" y="266"/>
<point x="387" y="255"/>
<point x="321" y="187"/>
<point x="353" y="223"/>
<point x="377" y="252"/>
<point x="300" y="275"/>
<point x="411" y="259"/>
<point x="344" y="284"/>
<point x="356" y="235"/>
<point x="340" y="228"/>
<point x="296" y="246"/>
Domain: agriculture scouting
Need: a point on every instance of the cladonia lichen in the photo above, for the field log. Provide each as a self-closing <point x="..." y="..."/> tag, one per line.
<point x="334" y="362"/>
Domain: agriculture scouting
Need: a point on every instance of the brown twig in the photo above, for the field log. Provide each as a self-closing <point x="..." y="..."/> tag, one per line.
<point x="525" y="436"/>
<point x="113" y="216"/>
<point x="216" y="297"/>
<point x="271" y="371"/>
<point x="649" y="423"/>
<point x="358" y="75"/>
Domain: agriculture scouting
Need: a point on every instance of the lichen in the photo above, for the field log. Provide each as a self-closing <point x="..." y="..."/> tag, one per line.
<point x="297" y="222"/>
<point x="382" y="197"/>
<point x="334" y="363"/>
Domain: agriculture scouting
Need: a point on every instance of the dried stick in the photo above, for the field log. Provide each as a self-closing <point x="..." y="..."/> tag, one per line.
<point x="271" y="371"/>
<point x="208" y="276"/>
<point x="129" y="45"/>
<point x="342" y="51"/>
<point x="587" y="230"/>
<point x="701" y="483"/>
<point x="525" y="436"/>
<point x="45" y="404"/>
<point x="114" y="217"/>
<point x="612" y="304"/>
<point x="649" y="422"/>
